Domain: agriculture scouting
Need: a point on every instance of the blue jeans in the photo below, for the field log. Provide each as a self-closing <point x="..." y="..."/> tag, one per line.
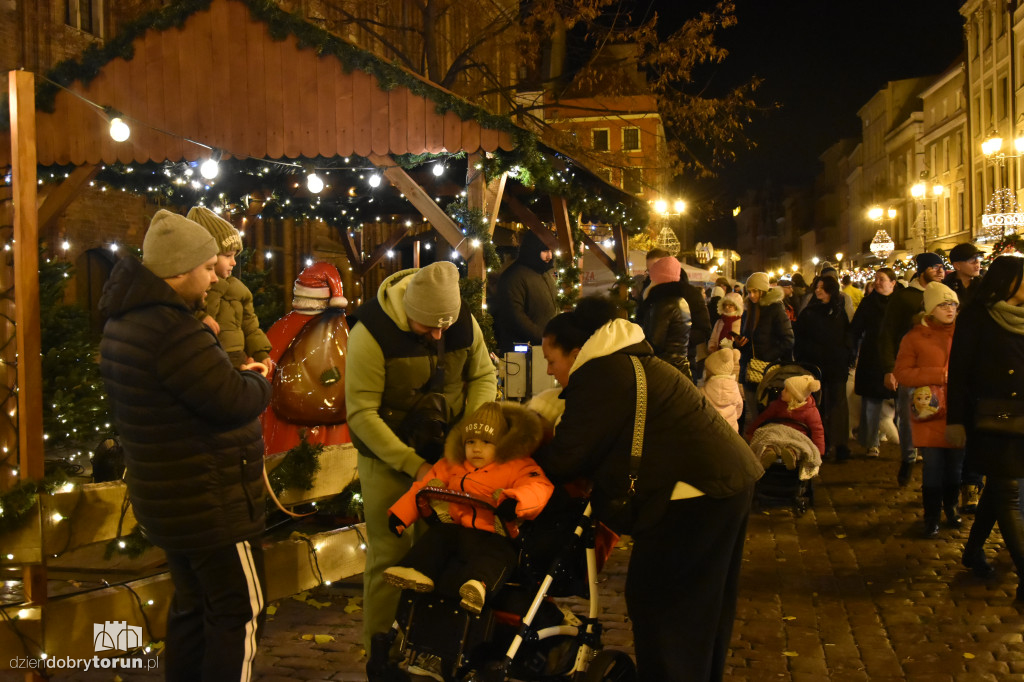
<point x="904" y="396"/>
<point x="870" y="417"/>
<point x="941" y="467"/>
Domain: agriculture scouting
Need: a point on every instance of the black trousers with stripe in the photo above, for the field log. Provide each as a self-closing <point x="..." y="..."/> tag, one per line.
<point x="217" y="614"/>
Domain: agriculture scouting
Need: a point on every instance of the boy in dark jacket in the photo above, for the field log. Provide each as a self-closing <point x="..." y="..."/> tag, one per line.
<point x="193" y="447"/>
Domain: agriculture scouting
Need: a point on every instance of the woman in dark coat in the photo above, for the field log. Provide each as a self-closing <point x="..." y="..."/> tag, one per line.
<point x="693" y="487"/>
<point x="987" y="362"/>
<point x="767" y="334"/>
<point x="822" y="339"/>
<point x="664" y="315"/>
<point x="869" y="381"/>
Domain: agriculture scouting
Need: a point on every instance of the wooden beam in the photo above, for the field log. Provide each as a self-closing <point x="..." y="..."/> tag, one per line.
<point x="598" y="252"/>
<point x="382" y="249"/>
<point x="423" y="202"/>
<point x="560" y="210"/>
<point x="494" y="196"/>
<point x="621" y="249"/>
<point x="530" y="219"/>
<point x="60" y="198"/>
<point x="21" y="97"/>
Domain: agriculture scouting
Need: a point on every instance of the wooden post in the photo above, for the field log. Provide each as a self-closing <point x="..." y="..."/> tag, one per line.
<point x="21" y="94"/>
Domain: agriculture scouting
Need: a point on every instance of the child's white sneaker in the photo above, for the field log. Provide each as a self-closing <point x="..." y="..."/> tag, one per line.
<point x="407" y="578"/>
<point x="472" y="593"/>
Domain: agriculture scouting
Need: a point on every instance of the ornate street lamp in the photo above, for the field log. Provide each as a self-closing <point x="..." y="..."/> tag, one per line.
<point x="1002" y="215"/>
<point x="882" y="245"/>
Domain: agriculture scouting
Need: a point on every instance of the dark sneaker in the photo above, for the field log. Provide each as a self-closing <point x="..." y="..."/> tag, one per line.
<point x="905" y="472"/>
<point x="978" y="564"/>
<point x="931" y="528"/>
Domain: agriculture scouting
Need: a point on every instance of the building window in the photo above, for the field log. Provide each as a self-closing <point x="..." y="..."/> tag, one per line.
<point x="1004" y="95"/>
<point x="630" y="139"/>
<point x="605" y="174"/>
<point x="959" y="149"/>
<point x="633" y="180"/>
<point x="600" y="137"/>
<point x="85" y="15"/>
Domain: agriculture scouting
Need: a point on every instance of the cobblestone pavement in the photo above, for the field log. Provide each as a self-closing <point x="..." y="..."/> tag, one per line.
<point x="849" y="591"/>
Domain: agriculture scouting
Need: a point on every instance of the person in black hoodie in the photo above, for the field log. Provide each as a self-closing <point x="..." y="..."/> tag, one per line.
<point x="193" y="447"/>
<point x="664" y="315"/>
<point x="692" y="490"/>
<point x="526" y="295"/>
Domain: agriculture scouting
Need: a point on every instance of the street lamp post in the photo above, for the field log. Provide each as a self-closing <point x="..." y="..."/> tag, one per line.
<point x="1002" y="216"/>
<point x="667" y="235"/>
<point x="881" y="244"/>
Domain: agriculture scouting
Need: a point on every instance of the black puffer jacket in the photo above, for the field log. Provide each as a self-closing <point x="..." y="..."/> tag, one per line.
<point x="986" y="361"/>
<point x="685" y="438"/>
<point x="865" y="328"/>
<point x="187" y="419"/>
<point x="768" y="331"/>
<point x="666" y="325"/>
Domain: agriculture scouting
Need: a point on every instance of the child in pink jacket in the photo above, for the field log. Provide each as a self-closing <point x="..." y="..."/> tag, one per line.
<point x="470" y="553"/>
<point x="721" y="386"/>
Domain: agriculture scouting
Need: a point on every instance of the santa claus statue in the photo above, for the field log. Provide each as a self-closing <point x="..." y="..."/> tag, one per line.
<point x="308" y="355"/>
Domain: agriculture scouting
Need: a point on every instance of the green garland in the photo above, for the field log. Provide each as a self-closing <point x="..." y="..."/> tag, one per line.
<point x="17" y="503"/>
<point x="298" y="468"/>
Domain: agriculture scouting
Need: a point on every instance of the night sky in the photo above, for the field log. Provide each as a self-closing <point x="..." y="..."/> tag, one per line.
<point x="822" y="60"/>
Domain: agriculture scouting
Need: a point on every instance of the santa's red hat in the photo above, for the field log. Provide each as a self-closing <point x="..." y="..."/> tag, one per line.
<point x="317" y="288"/>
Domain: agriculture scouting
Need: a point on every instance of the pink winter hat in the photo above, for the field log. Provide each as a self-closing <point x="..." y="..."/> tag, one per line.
<point x="664" y="270"/>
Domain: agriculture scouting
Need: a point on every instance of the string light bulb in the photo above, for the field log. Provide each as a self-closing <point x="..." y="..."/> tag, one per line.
<point x="438" y="170"/>
<point x="314" y="183"/>
<point x="374" y="180"/>
<point x="119" y="130"/>
<point x="211" y="167"/>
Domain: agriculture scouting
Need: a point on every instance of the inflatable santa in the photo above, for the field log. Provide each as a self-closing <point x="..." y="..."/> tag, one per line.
<point x="308" y="360"/>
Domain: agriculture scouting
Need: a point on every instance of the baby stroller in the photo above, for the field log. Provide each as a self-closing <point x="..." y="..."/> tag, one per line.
<point x="521" y="633"/>
<point x="787" y="483"/>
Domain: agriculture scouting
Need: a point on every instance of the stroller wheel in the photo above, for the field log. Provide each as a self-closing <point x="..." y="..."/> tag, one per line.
<point x="610" y="666"/>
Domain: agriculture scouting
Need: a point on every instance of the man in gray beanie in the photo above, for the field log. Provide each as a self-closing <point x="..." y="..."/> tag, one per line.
<point x="414" y="342"/>
<point x="903" y="305"/>
<point x="193" y="447"/>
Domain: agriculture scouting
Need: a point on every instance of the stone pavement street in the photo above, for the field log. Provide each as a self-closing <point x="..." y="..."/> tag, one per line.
<point x="849" y="591"/>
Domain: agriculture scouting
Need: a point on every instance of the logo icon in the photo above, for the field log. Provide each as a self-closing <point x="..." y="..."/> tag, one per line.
<point x="116" y="635"/>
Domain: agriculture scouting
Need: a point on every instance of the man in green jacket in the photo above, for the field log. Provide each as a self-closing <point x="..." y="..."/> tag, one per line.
<point x="393" y="355"/>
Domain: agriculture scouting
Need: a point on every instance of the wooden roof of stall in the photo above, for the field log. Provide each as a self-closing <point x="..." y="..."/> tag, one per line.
<point x="222" y="80"/>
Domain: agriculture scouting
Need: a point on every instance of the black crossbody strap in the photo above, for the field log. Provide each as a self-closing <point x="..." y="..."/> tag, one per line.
<point x="637" y="449"/>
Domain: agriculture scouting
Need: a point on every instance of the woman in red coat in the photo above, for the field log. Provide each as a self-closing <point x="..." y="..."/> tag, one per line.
<point x="923" y="362"/>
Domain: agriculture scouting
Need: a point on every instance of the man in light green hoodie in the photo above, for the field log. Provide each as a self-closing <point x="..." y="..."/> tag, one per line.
<point x="392" y="359"/>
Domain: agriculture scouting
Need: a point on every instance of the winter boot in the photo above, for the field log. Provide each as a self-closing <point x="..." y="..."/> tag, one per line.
<point x="932" y="498"/>
<point x="969" y="496"/>
<point x="950" y="497"/>
<point x="974" y="559"/>
<point x="905" y="472"/>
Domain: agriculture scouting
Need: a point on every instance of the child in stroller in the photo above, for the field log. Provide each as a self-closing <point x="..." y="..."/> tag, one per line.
<point x="488" y="456"/>
<point x="787" y="435"/>
<point x="480" y="639"/>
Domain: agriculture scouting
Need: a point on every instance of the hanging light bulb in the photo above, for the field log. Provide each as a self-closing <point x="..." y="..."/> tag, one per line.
<point x="211" y="167"/>
<point x="438" y="169"/>
<point x="374" y="180"/>
<point x="119" y="130"/>
<point x="313" y="182"/>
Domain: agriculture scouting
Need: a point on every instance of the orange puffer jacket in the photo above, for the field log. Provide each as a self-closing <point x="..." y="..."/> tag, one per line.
<point x="922" y="360"/>
<point x="513" y="475"/>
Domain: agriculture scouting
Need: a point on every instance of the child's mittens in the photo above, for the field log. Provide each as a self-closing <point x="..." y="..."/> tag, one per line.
<point x="396" y="525"/>
<point x="506" y="511"/>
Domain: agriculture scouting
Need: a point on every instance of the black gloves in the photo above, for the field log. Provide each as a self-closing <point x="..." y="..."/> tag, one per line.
<point x="396" y="525"/>
<point x="506" y="511"/>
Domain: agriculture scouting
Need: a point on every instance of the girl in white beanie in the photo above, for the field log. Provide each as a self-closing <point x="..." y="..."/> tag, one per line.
<point x="923" y="362"/>
<point x="796" y="405"/>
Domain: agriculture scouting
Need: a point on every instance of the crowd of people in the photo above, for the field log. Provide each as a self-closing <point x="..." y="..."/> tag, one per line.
<point x="648" y="414"/>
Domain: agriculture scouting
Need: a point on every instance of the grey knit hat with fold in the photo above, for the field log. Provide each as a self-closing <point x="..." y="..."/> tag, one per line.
<point x="174" y="245"/>
<point x="228" y="238"/>
<point x="432" y="298"/>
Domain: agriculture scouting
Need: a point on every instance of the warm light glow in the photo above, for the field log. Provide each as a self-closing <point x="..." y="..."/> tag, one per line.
<point x="119" y="130"/>
<point x="680" y="206"/>
<point x="661" y="206"/>
<point x="839" y="255"/>
<point x="992" y="144"/>
<point x="374" y="180"/>
<point x="815" y="260"/>
<point x="918" y="190"/>
<point x="313" y="183"/>
<point x="438" y="170"/>
<point x="209" y="169"/>
<point x="875" y="213"/>
<point x="937" y="189"/>
<point x="891" y="213"/>
<point x="794" y="267"/>
<point x="65" y="245"/>
<point x="721" y="261"/>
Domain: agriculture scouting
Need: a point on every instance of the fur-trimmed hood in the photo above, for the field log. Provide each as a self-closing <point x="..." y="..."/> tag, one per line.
<point x="525" y="432"/>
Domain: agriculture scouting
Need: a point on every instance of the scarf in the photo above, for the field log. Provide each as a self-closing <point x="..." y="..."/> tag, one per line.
<point x="1009" y="317"/>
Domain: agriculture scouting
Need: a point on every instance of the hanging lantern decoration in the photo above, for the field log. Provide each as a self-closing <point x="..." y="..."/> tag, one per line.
<point x="704" y="251"/>
<point x="667" y="240"/>
<point x="882" y="245"/>
<point x="1002" y="216"/>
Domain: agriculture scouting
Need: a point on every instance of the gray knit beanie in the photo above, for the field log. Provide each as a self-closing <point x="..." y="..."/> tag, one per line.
<point x="228" y="238"/>
<point x="175" y="245"/>
<point x="432" y="298"/>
